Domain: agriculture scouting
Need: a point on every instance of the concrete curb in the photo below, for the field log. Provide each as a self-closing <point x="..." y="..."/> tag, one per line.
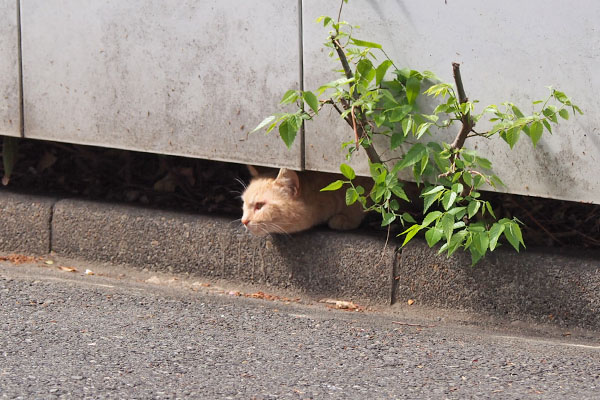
<point x="25" y="223"/>
<point x="539" y="284"/>
<point x="317" y="262"/>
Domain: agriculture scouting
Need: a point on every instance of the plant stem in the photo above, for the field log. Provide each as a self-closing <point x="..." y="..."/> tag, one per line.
<point x="465" y="119"/>
<point x="370" y="150"/>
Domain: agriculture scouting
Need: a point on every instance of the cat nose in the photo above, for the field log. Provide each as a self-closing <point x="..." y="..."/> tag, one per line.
<point x="245" y="221"/>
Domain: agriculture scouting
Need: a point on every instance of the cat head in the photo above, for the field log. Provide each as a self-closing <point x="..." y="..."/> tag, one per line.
<point x="270" y="202"/>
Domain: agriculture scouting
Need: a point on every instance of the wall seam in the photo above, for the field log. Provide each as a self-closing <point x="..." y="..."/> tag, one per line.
<point x="20" y="71"/>
<point x="301" y="80"/>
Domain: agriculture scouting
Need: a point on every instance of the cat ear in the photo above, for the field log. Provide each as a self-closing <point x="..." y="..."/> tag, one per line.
<point x="289" y="180"/>
<point x="253" y="171"/>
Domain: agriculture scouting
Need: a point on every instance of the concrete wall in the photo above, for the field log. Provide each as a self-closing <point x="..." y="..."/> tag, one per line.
<point x="508" y="50"/>
<point x="183" y="77"/>
<point x="192" y="77"/>
<point x="10" y="113"/>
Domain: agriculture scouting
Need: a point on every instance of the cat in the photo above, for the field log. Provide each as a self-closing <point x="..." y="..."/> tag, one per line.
<point x="289" y="201"/>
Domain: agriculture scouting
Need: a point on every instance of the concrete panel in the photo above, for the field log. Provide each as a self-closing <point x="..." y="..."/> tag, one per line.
<point x="508" y="50"/>
<point x="175" y="77"/>
<point x="9" y="70"/>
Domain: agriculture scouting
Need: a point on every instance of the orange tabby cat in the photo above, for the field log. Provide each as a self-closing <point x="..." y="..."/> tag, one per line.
<point x="292" y="201"/>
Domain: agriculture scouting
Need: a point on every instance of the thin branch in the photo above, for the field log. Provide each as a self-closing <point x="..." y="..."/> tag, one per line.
<point x="340" y="12"/>
<point x="467" y="121"/>
<point x="346" y="118"/>
<point x="462" y="97"/>
<point x="340" y="51"/>
<point x="357" y="139"/>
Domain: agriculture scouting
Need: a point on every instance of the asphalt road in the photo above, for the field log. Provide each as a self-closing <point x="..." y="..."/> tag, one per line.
<point x="71" y="335"/>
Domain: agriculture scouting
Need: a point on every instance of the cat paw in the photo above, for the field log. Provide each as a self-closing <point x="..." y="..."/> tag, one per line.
<point x="343" y="222"/>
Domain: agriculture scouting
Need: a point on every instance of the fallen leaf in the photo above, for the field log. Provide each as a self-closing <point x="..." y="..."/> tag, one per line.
<point x="410" y="302"/>
<point x="341" y="304"/>
<point x="153" y="279"/>
<point x="67" y="269"/>
<point x="89" y="272"/>
<point x="19" y="258"/>
<point x="49" y="262"/>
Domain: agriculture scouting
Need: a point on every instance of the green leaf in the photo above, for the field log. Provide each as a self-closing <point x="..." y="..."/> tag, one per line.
<point x="481" y="241"/>
<point x="448" y="199"/>
<point x="483" y="162"/>
<point x="363" y="43"/>
<point x="365" y="70"/>
<point x="467" y="178"/>
<point x="408" y="218"/>
<point x="407" y="124"/>
<point x="512" y="136"/>
<point x="311" y="100"/>
<point x="496" y="181"/>
<point x="381" y="70"/>
<point x="456" y="241"/>
<point x="413" y="86"/>
<point x="535" y="132"/>
<point x="347" y="171"/>
<point x="422" y="129"/>
<point x="489" y="208"/>
<point x="517" y="112"/>
<point x="289" y="97"/>
<point x="333" y="186"/>
<point x="414" y="155"/>
<point x="287" y="131"/>
<point x="475" y="255"/>
<point x="550" y="113"/>
<point x="410" y="233"/>
<point x="264" y="123"/>
<point x="335" y="84"/>
<point x="458" y="212"/>
<point x="564" y="113"/>
<point x="398" y="113"/>
<point x="510" y="235"/>
<point x="399" y="192"/>
<point x="379" y="119"/>
<point x="351" y="196"/>
<point x="560" y="96"/>
<point x="447" y="224"/>
<point x="495" y="233"/>
<point x="429" y="218"/>
<point x="434" y="190"/>
<point x="472" y="208"/>
<point x="396" y="140"/>
<point x="429" y="200"/>
<point x="433" y="235"/>
<point x="547" y="125"/>
<point x="388" y="218"/>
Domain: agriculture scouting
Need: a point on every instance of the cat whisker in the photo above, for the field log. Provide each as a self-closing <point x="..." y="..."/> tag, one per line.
<point x="279" y="230"/>
<point x="239" y="220"/>
<point x="241" y="182"/>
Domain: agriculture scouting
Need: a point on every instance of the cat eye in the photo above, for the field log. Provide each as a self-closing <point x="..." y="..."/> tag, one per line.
<point x="258" y="206"/>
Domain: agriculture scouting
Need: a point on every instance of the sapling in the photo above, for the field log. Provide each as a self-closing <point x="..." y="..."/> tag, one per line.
<point x="450" y="176"/>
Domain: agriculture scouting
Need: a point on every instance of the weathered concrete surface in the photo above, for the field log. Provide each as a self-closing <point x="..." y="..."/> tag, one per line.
<point x="317" y="262"/>
<point x="25" y="223"/>
<point x="507" y="51"/>
<point x="538" y="284"/>
<point x="172" y="77"/>
<point x="10" y="109"/>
